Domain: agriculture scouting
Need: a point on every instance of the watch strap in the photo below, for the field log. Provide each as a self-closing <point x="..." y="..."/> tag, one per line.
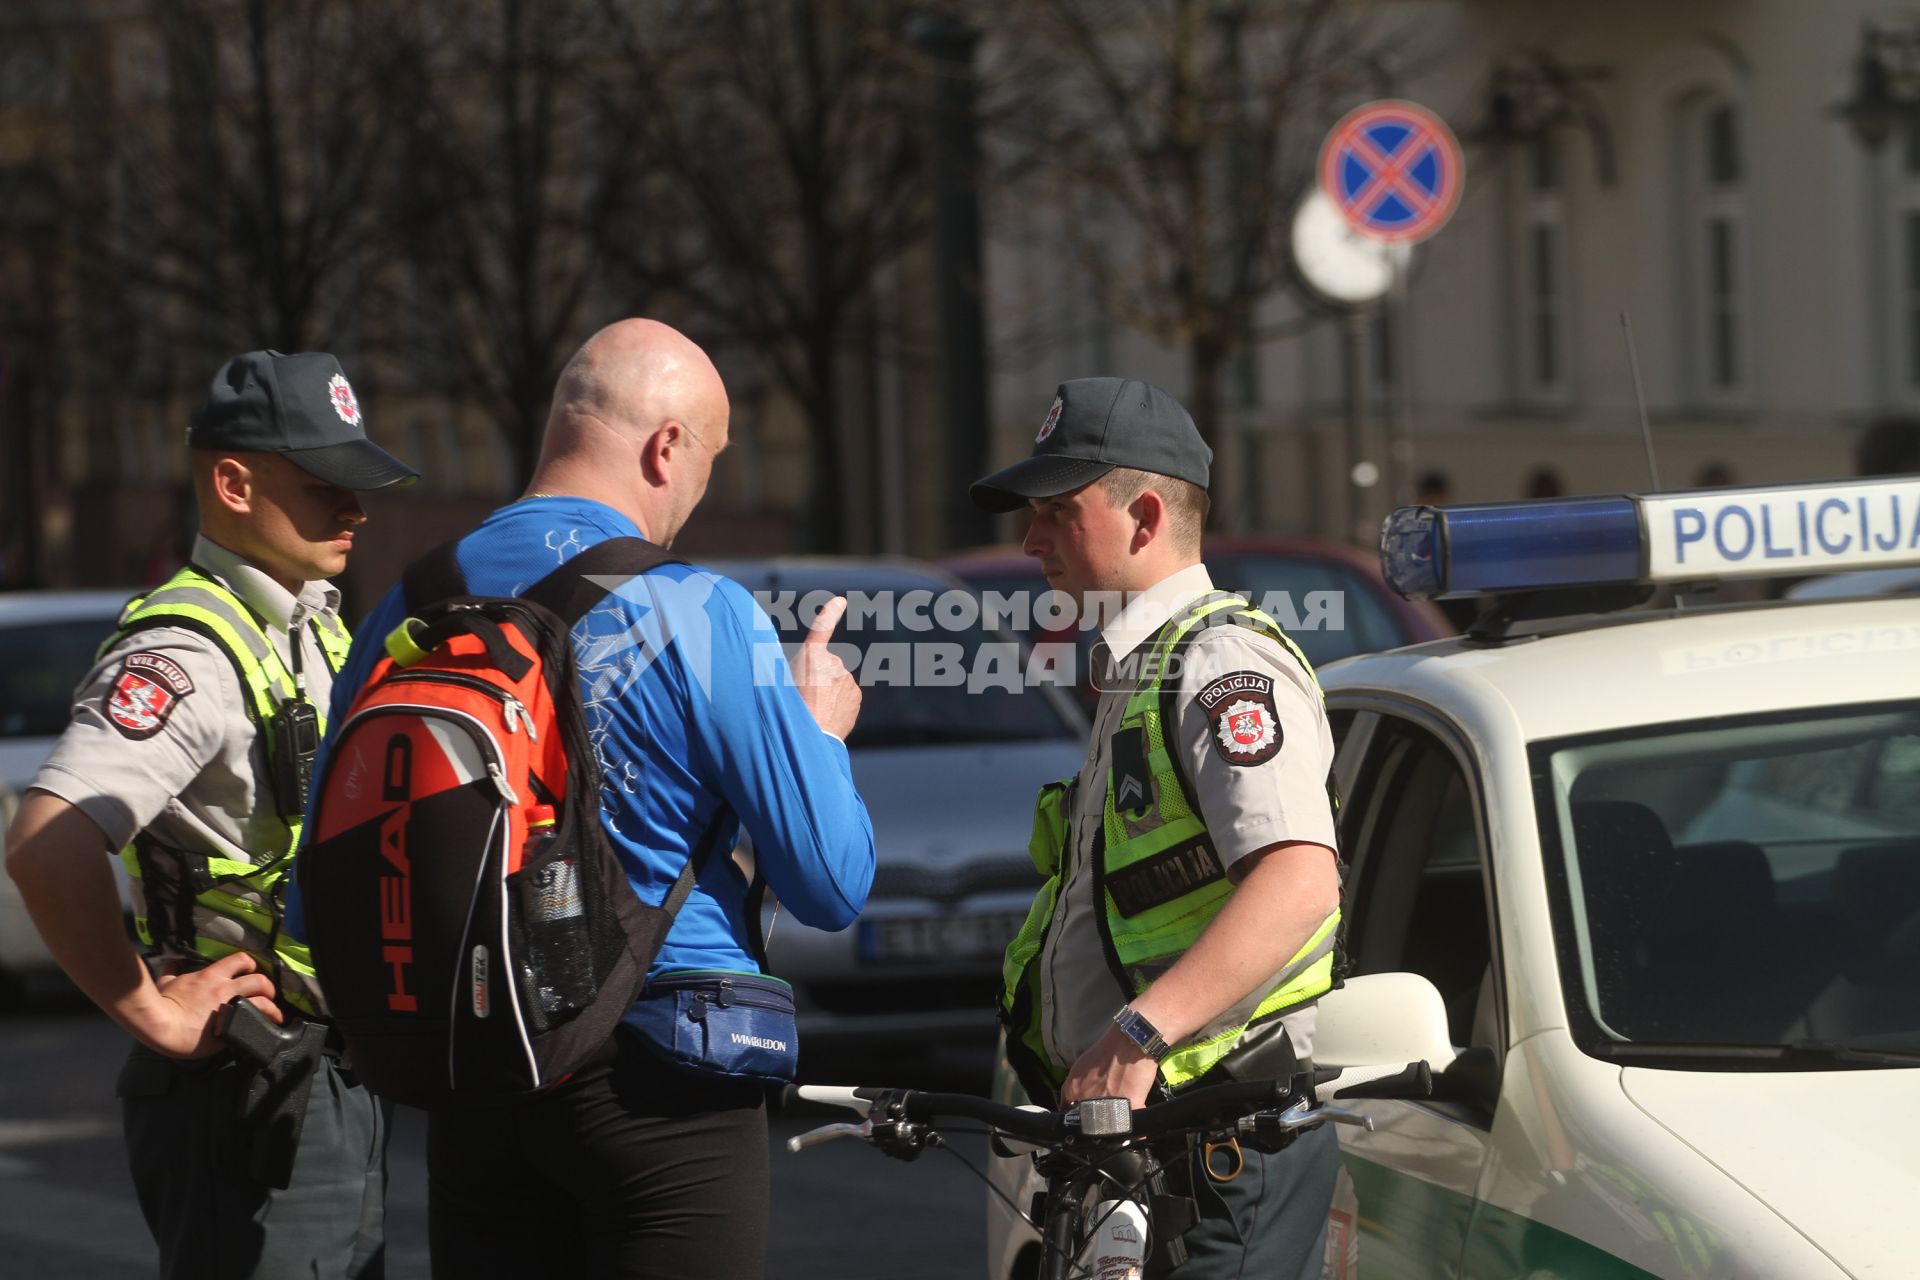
<point x="1145" y="1036"/>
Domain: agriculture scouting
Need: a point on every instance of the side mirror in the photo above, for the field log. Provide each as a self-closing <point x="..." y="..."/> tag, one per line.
<point x="1473" y="1079"/>
<point x="1383" y="1019"/>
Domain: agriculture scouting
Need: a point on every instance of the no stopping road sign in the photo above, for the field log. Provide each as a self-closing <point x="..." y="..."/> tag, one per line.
<point x="1393" y="169"/>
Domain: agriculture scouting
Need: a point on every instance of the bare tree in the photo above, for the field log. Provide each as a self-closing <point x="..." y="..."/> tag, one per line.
<point x="790" y="140"/>
<point x="217" y="178"/>
<point x="1189" y="129"/>
<point x="519" y="150"/>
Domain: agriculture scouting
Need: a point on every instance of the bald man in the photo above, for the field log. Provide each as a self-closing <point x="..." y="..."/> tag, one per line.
<point x="633" y="1168"/>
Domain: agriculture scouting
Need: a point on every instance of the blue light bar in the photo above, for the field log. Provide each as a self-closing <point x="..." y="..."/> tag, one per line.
<point x="1697" y="536"/>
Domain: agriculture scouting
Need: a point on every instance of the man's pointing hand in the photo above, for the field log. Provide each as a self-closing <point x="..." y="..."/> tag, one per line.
<point x="826" y="686"/>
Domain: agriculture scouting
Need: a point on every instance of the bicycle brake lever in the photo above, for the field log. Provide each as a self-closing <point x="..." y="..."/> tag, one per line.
<point x="1340" y="1115"/>
<point x="827" y="1133"/>
<point x="1297" y="1118"/>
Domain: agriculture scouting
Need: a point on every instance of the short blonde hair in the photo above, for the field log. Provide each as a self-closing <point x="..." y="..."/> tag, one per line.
<point x="1187" y="503"/>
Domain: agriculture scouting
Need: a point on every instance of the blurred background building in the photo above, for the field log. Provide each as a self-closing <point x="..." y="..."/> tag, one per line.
<point x="899" y="225"/>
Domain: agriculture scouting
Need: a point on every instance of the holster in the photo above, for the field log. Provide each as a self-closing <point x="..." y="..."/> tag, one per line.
<point x="273" y="1108"/>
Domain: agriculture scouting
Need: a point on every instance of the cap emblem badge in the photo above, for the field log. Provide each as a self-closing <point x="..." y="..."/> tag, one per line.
<point x="344" y="402"/>
<point x="1053" y="420"/>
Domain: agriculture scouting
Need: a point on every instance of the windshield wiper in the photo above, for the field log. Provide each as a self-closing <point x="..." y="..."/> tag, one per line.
<point x="1792" y="1053"/>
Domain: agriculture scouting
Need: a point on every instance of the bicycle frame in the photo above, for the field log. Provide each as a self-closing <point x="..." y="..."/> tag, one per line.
<point x="1109" y="1242"/>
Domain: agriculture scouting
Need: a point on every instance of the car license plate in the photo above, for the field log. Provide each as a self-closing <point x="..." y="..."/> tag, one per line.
<point x="961" y="937"/>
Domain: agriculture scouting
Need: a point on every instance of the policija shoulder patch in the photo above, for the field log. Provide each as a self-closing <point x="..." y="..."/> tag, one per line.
<point x="1239" y="707"/>
<point x="145" y="693"/>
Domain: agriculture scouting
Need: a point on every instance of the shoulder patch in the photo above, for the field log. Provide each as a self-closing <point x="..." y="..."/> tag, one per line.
<point x="145" y="693"/>
<point x="1240" y="712"/>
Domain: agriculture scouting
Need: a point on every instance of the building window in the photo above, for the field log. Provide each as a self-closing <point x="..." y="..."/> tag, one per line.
<point x="1716" y="252"/>
<point x="1541" y="255"/>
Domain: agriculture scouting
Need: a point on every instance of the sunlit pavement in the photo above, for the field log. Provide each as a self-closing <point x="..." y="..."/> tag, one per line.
<point x="67" y="1210"/>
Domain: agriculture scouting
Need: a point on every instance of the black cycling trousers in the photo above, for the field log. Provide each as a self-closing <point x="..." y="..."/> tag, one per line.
<point x="630" y="1169"/>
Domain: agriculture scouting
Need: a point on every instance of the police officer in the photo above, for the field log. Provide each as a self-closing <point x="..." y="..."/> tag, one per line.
<point x="185" y="755"/>
<point x="1192" y="894"/>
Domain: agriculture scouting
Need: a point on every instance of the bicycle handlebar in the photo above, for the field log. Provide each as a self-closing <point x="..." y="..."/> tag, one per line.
<point x="1035" y="1126"/>
<point x="1415" y="1080"/>
<point x="1210" y="1107"/>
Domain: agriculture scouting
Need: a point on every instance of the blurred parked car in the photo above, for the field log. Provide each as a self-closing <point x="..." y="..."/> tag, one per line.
<point x="949" y="777"/>
<point x="1329" y="597"/>
<point x="47" y="643"/>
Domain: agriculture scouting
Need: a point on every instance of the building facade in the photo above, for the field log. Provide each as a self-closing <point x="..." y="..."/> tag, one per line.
<point x="1680" y="164"/>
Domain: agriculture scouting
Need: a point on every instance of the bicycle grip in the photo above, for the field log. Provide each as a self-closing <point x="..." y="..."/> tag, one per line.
<point x="835" y="1095"/>
<point x="1415" y="1080"/>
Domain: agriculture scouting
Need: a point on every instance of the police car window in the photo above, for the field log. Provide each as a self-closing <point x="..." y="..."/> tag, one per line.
<point x="1338" y="722"/>
<point x="1420" y="895"/>
<point x="1749" y="882"/>
<point x="40" y="663"/>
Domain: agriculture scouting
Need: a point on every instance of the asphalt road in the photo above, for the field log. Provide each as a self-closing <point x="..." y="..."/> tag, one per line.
<point x="67" y="1211"/>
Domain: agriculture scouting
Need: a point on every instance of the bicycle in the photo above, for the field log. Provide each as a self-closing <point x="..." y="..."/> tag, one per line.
<point x="1104" y="1145"/>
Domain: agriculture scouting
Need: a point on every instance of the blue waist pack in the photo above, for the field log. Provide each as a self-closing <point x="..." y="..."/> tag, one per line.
<point x="716" y="1022"/>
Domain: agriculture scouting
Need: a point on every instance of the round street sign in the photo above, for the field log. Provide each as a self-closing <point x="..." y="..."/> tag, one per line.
<point x="1393" y="169"/>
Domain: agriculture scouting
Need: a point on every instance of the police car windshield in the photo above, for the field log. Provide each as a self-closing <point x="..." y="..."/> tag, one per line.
<point x="40" y="665"/>
<point x="1751" y="881"/>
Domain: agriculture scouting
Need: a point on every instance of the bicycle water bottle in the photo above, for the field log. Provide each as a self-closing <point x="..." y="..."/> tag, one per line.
<point x="559" y="963"/>
<point x="1116" y="1249"/>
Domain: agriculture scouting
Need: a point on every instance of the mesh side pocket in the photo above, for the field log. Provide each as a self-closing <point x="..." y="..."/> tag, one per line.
<point x="599" y="877"/>
<point x="552" y="919"/>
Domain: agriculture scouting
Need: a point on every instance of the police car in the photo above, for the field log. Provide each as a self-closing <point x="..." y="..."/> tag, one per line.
<point x="1661" y="867"/>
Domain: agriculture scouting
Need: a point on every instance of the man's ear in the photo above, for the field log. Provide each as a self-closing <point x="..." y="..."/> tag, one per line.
<point x="1149" y="512"/>
<point x="660" y="450"/>
<point x="232" y="484"/>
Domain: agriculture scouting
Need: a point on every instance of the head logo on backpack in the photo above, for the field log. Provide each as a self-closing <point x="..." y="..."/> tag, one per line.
<point x="476" y="935"/>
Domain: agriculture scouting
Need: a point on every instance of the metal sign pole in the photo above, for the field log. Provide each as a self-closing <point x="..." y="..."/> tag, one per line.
<point x="1391" y="174"/>
<point x="1400" y="447"/>
<point x="1353" y="346"/>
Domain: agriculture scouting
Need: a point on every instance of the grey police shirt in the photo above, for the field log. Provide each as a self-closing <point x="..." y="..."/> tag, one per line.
<point x="160" y="738"/>
<point x="1252" y="732"/>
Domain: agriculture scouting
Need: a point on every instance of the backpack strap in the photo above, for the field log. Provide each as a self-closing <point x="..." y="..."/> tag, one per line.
<point x="569" y="591"/>
<point x="756" y="905"/>
<point x="434" y="577"/>
<point x="702" y="854"/>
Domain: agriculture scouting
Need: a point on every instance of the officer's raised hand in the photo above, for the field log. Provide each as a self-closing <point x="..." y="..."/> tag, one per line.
<point x="179" y="1021"/>
<point x="826" y="686"/>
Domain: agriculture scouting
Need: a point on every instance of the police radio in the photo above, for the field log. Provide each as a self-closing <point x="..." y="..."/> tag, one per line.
<point x="293" y="741"/>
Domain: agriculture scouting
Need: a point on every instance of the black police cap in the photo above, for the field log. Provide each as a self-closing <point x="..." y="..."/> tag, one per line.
<point x="301" y="407"/>
<point x="1095" y="425"/>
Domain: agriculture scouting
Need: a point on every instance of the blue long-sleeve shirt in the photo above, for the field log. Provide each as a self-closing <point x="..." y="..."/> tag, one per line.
<point x="691" y="709"/>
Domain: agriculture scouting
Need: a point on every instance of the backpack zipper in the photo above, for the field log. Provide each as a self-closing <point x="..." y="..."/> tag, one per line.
<point x="474" y="729"/>
<point x="515" y="713"/>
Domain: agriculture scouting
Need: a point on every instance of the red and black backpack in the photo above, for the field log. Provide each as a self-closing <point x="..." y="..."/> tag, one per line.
<point x="468" y="950"/>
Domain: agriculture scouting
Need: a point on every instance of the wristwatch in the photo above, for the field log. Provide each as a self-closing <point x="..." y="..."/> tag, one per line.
<point x="1145" y="1036"/>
